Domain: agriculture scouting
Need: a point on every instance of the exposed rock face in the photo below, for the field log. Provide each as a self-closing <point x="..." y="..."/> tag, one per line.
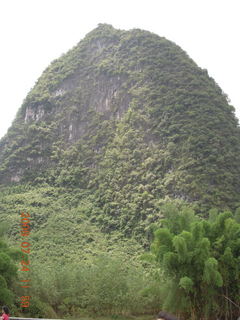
<point x="34" y="114"/>
<point x="133" y="100"/>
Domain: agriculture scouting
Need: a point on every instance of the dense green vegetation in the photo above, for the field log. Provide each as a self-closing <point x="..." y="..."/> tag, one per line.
<point x="114" y="131"/>
<point x="78" y="270"/>
<point x="136" y="102"/>
<point x="8" y="271"/>
<point x="201" y="262"/>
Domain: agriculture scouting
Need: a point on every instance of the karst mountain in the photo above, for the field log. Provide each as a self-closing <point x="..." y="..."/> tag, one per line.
<point x="121" y="123"/>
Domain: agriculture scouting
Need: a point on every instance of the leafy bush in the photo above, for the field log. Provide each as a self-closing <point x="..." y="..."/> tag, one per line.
<point x="200" y="259"/>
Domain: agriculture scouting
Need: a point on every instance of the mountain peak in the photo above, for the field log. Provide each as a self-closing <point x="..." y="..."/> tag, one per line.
<point x="135" y="102"/>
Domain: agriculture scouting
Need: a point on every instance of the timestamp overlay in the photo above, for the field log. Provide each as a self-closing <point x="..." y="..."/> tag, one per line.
<point x="25" y="281"/>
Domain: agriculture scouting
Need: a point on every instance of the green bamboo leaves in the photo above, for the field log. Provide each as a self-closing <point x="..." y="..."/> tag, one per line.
<point x="200" y="263"/>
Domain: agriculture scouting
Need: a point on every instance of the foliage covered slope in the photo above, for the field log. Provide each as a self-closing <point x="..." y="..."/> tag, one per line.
<point x="122" y="122"/>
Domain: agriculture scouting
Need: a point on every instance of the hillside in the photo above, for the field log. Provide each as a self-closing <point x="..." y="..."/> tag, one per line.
<point x="115" y="127"/>
<point x="122" y="135"/>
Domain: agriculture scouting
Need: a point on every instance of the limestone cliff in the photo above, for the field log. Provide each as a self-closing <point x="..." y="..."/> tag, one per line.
<point x="126" y="111"/>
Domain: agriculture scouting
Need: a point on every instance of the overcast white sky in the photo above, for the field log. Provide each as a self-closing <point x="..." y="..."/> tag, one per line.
<point x="35" y="32"/>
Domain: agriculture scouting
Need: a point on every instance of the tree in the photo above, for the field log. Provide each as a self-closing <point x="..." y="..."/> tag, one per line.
<point x="201" y="262"/>
<point x="8" y="272"/>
